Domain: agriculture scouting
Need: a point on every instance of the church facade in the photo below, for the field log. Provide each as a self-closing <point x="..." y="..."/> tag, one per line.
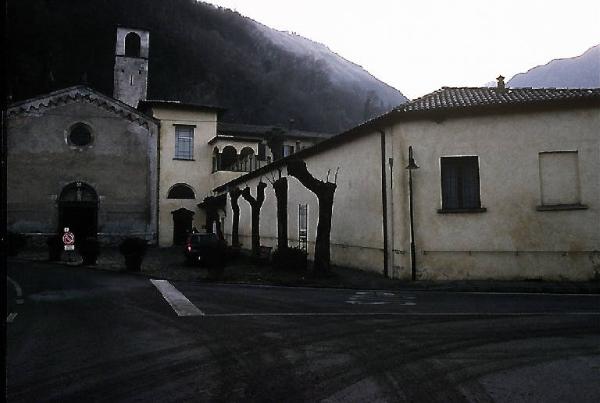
<point x="79" y="159"/>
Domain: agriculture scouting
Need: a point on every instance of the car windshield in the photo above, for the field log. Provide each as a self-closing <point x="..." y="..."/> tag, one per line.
<point x="203" y="239"/>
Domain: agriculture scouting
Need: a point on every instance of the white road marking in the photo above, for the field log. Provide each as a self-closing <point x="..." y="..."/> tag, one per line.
<point x="379" y="298"/>
<point x="11" y="317"/>
<point x="403" y="314"/>
<point x="180" y="304"/>
<point x="18" y="289"/>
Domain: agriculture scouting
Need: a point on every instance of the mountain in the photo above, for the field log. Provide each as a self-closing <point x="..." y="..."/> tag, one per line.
<point x="198" y="53"/>
<point x="581" y="71"/>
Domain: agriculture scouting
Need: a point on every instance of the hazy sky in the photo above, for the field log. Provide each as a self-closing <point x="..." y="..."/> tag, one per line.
<point x="419" y="46"/>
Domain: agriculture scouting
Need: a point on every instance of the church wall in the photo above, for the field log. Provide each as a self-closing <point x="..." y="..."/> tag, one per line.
<point x="119" y="164"/>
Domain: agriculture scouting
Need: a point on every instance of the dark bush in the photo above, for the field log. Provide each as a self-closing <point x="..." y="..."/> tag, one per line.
<point x="89" y="249"/>
<point x="290" y="259"/>
<point x="133" y="249"/>
<point x="216" y="261"/>
<point x="55" y="247"/>
<point x="15" y="243"/>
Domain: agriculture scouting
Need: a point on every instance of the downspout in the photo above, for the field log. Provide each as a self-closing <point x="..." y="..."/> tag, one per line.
<point x="158" y="183"/>
<point x="384" y="204"/>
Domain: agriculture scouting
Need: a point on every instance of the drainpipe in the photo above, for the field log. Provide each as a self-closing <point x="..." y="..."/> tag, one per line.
<point x="384" y="204"/>
<point x="158" y="134"/>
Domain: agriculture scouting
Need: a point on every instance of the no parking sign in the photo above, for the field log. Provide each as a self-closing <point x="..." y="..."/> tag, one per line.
<point x="68" y="239"/>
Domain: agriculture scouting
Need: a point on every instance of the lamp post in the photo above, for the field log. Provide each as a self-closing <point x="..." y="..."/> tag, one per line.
<point x="410" y="167"/>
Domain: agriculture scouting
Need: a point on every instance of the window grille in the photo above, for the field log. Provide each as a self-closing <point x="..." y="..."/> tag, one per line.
<point x="184" y="142"/>
<point x="303" y="226"/>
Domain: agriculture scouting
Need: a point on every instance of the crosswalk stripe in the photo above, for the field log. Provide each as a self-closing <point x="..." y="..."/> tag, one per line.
<point x="180" y="304"/>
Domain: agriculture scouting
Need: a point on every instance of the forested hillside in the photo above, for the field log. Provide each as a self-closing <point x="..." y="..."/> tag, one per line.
<point x="198" y="53"/>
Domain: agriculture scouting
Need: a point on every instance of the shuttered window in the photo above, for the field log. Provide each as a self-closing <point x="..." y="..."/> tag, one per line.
<point x="184" y="142"/>
<point x="460" y="183"/>
<point x="559" y="178"/>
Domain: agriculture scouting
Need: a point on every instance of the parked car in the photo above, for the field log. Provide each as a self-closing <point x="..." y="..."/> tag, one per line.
<point x="203" y="248"/>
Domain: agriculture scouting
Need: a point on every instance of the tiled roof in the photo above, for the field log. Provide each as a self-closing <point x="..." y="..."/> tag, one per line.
<point x="469" y="97"/>
<point x="262" y="131"/>
<point x="143" y="104"/>
<point x="79" y="93"/>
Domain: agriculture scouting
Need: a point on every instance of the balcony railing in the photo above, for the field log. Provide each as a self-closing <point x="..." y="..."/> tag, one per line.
<point x="245" y="164"/>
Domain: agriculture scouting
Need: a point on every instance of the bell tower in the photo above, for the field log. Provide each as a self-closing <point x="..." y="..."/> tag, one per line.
<point x="131" y="65"/>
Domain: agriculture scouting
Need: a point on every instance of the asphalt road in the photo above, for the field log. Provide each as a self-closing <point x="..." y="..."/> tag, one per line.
<point x="86" y="335"/>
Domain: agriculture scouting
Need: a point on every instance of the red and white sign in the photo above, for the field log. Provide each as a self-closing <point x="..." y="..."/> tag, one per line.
<point x="68" y="239"/>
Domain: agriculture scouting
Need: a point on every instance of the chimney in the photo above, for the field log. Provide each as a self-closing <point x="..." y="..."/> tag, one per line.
<point x="501" y="86"/>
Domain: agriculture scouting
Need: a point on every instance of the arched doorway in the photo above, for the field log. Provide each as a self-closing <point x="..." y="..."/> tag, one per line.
<point x="78" y="210"/>
<point x="182" y="225"/>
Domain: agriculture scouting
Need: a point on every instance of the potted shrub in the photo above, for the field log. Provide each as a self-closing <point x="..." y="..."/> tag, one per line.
<point x="217" y="260"/>
<point x="89" y="249"/>
<point x="55" y="247"/>
<point x="16" y="242"/>
<point x="291" y="259"/>
<point x="133" y="249"/>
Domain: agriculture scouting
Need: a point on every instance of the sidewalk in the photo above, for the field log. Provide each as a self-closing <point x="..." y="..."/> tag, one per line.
<point x="168" y="263"/>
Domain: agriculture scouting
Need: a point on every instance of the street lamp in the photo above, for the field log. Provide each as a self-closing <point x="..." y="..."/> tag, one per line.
<point x="410" y="167"/>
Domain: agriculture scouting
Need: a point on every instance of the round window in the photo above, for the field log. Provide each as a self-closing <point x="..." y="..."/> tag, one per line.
<point x="80" y="135"/>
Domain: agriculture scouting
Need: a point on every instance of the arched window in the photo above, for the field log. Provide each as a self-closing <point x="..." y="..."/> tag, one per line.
<point x="215" y="159"/>
<point x="228" y="158"/>
<point x="78" y="192"/>
<point x="181" y="191"/>
<point x="247" y="159"/>
<point x="132" y="45"/>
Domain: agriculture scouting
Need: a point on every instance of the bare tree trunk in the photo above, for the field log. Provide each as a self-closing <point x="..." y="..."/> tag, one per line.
<point x="234" y="195"/>
<point x="324" y="192"/>
<point x="281" y="193"/>
<point x="211" y="206"/>
<point x="255" y="204"/>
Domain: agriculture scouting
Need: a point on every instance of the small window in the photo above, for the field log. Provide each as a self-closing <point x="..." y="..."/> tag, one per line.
<point x="80" y="135"/>
<point x="184" y="142"/>
<point x="132" y="45"/>
<point x="181" y="191"/>
<point x="460" y="184"/>
<point x="559" y="180"/>
<point x="262" y="151"/>
<point x="303" y="226"/>
<point x="288" y="150"/>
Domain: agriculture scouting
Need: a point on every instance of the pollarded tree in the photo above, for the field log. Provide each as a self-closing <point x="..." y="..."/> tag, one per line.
<point x="324" y="192"/>
<point x="211" y="206"/>
<point x="234" y="195"/>
<point x="255" y="204"/>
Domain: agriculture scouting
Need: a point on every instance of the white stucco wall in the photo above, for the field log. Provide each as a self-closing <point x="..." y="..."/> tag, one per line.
<point x="511" y="240"/>
<point x="196" y="173"/>
<point x="356" y="237"/>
